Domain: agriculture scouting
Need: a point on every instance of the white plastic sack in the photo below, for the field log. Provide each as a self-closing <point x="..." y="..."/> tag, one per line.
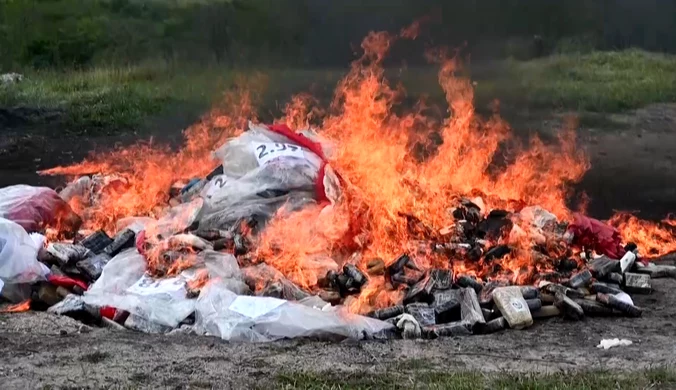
<point x="118" y="274"/>
<point x="222" y="313"/>
<point x="124" y="285"/>
<point x="258" y="146"/>
<point x="18" y="254"/>
<point x="262" y="171"/>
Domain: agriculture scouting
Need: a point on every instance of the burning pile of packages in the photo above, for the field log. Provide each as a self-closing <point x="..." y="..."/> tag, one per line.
<point x="199" y="264"/>
<point x="384" y="223"/>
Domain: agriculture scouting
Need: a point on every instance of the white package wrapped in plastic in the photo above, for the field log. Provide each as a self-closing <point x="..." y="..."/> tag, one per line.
<point x="262" y="171"/>
<point x="19" y="254"/>
<point x="222" y="313"/>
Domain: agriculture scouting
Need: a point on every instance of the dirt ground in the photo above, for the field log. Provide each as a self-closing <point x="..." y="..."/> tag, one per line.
<point x="633" y="168"/>
<point x="40" y="350"/>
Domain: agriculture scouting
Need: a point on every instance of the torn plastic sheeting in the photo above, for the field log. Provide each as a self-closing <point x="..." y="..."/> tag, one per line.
<point x="221" y="265"/>
<point x="18" y="254"/>
<point x="176" y="220"/>
<point x="222" y="313"/>
<point x="597" y="236"/>
<point x="260" y="209"/>
<point x="34" y="208"/>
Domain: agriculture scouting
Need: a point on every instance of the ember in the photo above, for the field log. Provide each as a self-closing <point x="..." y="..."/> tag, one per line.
<point x="353" y="218"/>
<point x="18" y="308"/>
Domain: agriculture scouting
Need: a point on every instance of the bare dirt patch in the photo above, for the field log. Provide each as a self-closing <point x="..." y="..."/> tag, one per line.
<point x="39" y="349"/>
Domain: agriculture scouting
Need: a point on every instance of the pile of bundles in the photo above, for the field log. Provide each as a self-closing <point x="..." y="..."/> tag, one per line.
<point x="191" y="270"/>
<point x="556" y="281"/>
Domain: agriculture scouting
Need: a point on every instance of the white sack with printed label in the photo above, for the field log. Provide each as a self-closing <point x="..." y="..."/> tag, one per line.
<point x="262" y="171"/>
<point x="124" y="285"/>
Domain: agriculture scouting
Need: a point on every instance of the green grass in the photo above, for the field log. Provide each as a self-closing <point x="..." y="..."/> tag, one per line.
<point x="597" y="82"/>
<point x="113" y="99"/>
<point x="659" y="378"/>
<point x="109" y="99"/>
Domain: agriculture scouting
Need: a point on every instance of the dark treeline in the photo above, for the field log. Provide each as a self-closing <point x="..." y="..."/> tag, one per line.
<point x="64" y="33"/>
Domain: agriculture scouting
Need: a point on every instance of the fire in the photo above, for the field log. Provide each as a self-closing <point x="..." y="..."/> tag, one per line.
<point x="137" y="179"/>
<point x="402" y="172"/>
<point x="18" y="308"/>
<point x="654" y="239"/>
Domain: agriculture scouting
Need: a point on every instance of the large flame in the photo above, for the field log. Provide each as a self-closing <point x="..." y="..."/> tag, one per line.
<point x="402" y="172"/>
<point x="653" y="239"/>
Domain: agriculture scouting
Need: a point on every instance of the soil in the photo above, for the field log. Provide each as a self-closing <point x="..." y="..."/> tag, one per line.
<point x="632" y="169"/>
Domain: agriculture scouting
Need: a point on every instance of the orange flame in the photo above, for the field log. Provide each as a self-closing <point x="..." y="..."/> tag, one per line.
<point x="653" y="239"/>
<point x="145" y="172"/>
<point x="18" y="308"/>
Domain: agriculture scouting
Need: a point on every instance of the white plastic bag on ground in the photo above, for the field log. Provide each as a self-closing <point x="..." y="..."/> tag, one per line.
<point x="222" y="313"/>
<point x="262" y="171"/>
<point x="609" y="343"/>
<point x="124" y="285"/>
<point x="18" y="254"/>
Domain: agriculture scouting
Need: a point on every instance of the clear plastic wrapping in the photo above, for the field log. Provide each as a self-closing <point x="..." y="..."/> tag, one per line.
<point x="222" y="313"/>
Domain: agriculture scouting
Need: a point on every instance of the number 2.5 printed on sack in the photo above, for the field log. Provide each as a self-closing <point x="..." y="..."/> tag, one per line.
<point x="268" y="151"/>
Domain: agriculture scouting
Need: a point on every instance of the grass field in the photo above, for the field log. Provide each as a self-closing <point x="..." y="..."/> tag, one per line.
<point x="659" y="378"/>
<point x="110" y="99"/>
<point x="117" y="98"/>
<point x="598" y="82"/>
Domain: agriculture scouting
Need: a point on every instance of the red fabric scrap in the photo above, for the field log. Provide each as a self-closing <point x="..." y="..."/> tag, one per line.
<point x="593" y="234"/>
<point x="66" y="282"/>
<point x="108" y="312"/>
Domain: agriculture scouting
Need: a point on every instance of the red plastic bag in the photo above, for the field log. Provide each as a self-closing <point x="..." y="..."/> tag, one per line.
<point x="597" y="236"/>
<point x="35" y="208"/>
